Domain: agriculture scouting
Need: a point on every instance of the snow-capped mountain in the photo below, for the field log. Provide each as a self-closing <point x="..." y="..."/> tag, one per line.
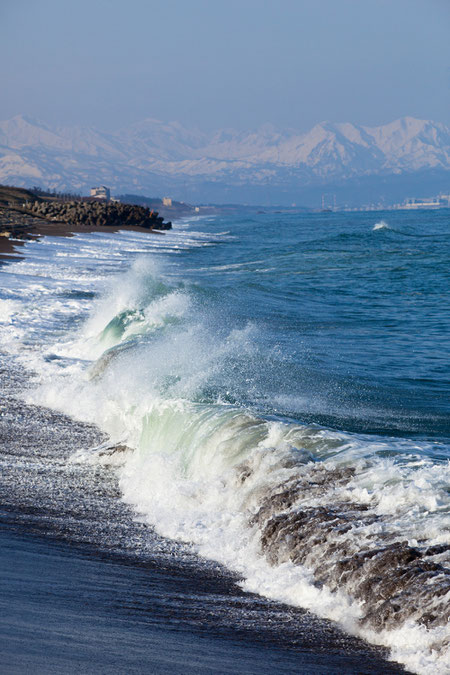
<point x="153" y="156"/>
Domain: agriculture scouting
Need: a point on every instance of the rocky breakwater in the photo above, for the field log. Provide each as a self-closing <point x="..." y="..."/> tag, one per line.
<point x="90" y="213"/>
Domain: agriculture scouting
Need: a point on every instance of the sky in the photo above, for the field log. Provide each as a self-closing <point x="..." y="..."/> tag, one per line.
<point x="211" y="64"/>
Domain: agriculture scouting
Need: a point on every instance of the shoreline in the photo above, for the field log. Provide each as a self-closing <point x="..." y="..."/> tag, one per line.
<point x="10" y="246"/>
<point x="77" y="592"/>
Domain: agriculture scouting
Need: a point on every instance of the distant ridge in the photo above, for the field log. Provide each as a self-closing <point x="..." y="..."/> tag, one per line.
<point x="261" y="166"/>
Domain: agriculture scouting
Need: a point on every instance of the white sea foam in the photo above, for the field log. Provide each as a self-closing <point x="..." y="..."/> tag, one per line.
<point x="7" y="310"/>
<point x="382" y="225"/>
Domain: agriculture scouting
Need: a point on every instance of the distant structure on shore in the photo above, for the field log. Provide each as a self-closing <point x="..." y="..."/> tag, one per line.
<point x="441" y="202"/>
<point x="101" y="192"/>
<point x="167" y="201"/>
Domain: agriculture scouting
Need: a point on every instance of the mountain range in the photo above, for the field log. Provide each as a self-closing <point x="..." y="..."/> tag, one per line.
<point x="407" y="157"/>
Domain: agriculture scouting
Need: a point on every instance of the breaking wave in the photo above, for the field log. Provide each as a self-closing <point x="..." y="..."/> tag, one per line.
<point x="382" y="225"/>
<point x="353" y="527"/>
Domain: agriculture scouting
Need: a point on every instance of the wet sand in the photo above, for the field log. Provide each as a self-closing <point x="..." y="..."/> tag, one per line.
<point x="65" y="610"/>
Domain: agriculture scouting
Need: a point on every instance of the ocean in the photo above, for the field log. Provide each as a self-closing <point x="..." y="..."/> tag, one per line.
<point x="239" y="432"/>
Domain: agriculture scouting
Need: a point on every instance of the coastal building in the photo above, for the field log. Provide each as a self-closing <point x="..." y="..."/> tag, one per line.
<point x="422" y="203"/>
<point x="101" y="192"/>
<point x="167" y="201"/>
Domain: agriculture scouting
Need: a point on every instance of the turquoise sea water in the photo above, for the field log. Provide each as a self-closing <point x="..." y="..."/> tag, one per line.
<point x="280" y="384"/>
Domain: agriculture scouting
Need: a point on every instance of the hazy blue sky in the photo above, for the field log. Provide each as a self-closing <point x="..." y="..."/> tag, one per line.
<point x="218" y="63"/>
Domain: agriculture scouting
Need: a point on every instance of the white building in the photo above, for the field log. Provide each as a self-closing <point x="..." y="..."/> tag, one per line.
<point x="101" y="192"/>
<point x="432" y="203"/>
<point x="167" y="201"/>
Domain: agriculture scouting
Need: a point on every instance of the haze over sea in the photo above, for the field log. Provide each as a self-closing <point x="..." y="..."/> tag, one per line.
<point x="272" y="394"/>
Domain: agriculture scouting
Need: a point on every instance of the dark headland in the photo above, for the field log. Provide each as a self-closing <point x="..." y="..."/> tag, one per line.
<point x="27" y="214"/>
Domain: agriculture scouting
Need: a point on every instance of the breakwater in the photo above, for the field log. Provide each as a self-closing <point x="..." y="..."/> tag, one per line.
<point x="97" y="213"/>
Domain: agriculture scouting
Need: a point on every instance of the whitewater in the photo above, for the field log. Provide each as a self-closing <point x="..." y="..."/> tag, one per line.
<point x="273" y="391"/>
